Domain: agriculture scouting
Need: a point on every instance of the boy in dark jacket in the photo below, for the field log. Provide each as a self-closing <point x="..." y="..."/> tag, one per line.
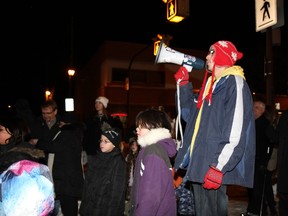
<point x="105" y="179"/>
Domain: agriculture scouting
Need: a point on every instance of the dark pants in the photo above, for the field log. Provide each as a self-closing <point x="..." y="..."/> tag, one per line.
<point x="283" y="203"/>
<point x="269" y="195"/>
<point x="210" y="202"/>
<point x="255" y="194"/>
<point x="69" y="205"/>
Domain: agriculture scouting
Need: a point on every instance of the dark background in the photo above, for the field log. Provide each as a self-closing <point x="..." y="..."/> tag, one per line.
<point x="42" y="39"/>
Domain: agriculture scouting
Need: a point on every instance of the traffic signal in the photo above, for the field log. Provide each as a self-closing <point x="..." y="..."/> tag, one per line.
<point x="177" y="10"/>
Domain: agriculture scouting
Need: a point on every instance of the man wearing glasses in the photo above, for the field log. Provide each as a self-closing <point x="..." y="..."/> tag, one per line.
<point x="48" y="126"/>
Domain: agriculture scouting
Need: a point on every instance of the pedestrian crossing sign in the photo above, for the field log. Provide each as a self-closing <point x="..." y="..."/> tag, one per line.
<point x="177" y="10"/>
<point x="266" y="13"/>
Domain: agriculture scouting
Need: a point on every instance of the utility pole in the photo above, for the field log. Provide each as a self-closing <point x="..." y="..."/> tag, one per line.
<point x="269" y="69"/>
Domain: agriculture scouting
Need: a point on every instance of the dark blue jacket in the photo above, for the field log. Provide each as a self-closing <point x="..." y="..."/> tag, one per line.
<point x="226" y="135"/>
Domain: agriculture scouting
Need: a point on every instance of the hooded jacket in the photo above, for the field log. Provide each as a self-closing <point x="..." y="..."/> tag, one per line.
<point x="226" y="131"/>
<point x="282" y="160"/>
<point x="153" y="189"/>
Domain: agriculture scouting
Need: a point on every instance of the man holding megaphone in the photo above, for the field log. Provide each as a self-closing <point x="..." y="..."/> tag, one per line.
<point x="219" y="138"/>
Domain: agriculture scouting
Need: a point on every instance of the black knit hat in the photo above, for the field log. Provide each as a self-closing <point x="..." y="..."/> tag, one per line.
<point x="112" y="134"/>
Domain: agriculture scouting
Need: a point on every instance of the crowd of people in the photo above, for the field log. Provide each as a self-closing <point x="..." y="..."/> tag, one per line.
<point x="228" y="140"/>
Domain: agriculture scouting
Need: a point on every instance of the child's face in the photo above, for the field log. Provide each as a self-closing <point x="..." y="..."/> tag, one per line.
<point x="134" y="146"/>
<point x="4" y="135"/>
<point x="105" y="145"/>
<point x="141" y="131"/>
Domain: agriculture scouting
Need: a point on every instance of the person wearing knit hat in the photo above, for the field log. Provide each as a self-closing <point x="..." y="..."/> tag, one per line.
<point x="105" y="182"/>
<point x="218" y="145"/>
<point x="93" y="126"/>
<point x="112" y="134"/>
<point x="102" y="100"/>
<point x="224" y="54"/>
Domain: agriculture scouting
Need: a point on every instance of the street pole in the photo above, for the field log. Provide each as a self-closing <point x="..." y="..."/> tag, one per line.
<point x="269" y="69"/>
<point x="128" y="79"/>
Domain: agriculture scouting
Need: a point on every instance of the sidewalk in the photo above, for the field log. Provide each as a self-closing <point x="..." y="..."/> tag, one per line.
<point x="238" y="200"/>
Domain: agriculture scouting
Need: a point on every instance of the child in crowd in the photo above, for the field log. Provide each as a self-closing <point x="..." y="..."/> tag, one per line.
<point x="105" y="180"/>
<point x="130" y="158"/>
<point x="26" y="184"/>
<point x="153" y="191"/>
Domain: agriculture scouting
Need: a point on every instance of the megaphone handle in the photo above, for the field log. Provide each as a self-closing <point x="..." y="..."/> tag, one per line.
<point x="188" y="67"/>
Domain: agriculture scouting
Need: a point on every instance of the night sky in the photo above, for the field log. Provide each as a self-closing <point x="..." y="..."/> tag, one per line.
<point x="40" y="40"/>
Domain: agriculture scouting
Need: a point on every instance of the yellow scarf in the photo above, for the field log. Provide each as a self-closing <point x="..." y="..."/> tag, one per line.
<point x="234" y="70"/>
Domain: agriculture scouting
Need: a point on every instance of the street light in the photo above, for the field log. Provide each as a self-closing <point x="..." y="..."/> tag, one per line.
<point x="69" y="102"/>
<point x="47" y="94"/>
<point x="71" y="73"/>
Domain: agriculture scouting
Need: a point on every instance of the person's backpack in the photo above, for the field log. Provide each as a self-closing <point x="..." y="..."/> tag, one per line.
<point x="185" y="199"/>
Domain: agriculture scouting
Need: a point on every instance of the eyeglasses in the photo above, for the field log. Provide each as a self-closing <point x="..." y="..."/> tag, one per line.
<point x="104" y="141"/>
<point x="211" y="52"/>
<point x="141" y="128"/>
<point x="47" y="113"/>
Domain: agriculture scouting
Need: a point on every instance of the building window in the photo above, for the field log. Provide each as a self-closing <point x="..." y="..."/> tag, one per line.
<point x="118" y="75"/>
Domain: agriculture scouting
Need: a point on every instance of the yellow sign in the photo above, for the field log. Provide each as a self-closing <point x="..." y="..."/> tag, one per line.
<point x="156" y="47"/>
<point x="171" y="9"/>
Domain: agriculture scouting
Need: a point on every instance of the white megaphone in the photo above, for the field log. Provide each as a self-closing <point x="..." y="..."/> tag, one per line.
<point x="167" y="55"/>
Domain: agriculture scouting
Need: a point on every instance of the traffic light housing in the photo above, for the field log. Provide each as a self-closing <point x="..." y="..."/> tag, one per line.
<point x="177" y="10"/>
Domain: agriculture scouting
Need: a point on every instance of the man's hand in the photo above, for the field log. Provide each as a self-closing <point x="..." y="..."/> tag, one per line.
<point x="213" y="178"/>
<point x="182" y="76"/>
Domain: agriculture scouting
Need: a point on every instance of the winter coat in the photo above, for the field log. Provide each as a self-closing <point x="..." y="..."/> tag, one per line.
<point x="282" y="157"/>
<point x="105" y="185"/>
<point x="67" y="168"/>
<point x="130" y="161"/>
<point x="42" y="132"/>
<point x="226" y="135"/>
<point x="153" y="188"/>
<point x="11" y="153"/>
<point x="262" y="142"/>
